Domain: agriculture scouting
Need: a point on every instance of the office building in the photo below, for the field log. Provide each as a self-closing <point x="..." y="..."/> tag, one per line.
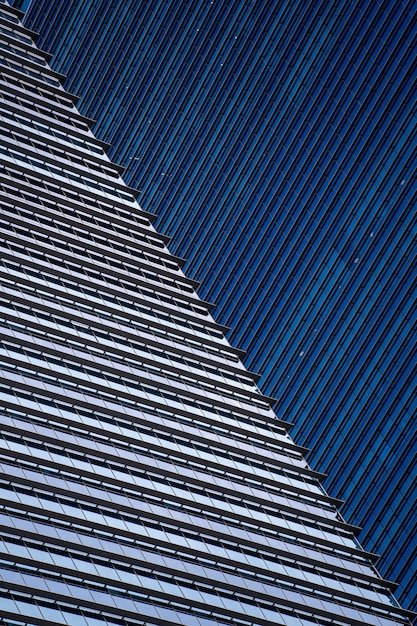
<point x="276" y="143"/>
<point x="145" y="480"/>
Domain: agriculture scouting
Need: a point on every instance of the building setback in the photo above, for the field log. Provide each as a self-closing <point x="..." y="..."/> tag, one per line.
<point x="145" y="480"/>
<point x="276" y="143"/>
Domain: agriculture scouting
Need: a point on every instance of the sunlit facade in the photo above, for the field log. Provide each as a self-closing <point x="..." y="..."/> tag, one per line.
<point x="275" y="141"/>
<point x="145" y="480"/>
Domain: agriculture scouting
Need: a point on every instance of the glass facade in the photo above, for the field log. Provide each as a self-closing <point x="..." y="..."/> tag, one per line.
<point x="276" y="143"/>
<point x="145" y="479"/>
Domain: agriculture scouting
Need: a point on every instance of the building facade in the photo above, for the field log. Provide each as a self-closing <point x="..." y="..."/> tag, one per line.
<point x="145" y="480"/>
<point x="276" y="143"/>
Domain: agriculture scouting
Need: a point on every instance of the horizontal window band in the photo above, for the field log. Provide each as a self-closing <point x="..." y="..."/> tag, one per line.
<point x="62" y="315"/>
<point x="34" y="82"/>
<point x="151" y="473"/>
<point x="167" y="456"/>
<point x="83" y="300"/>
<point x="221" y="587"/>
<point x="28" y="385"/>
<point x="163" y="548"/>
<point x="105" y="267"/>
<point x="88" y="347"/>
<point x="139" y="219"/>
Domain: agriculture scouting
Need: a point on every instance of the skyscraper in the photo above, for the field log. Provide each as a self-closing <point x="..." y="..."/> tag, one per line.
<point x="145" y="480"/>
<point x="276" y="143"/>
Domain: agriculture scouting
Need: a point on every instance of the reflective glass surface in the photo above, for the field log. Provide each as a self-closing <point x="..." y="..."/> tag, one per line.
<point x="144" y="477"/>
<point x="276" y="144"/>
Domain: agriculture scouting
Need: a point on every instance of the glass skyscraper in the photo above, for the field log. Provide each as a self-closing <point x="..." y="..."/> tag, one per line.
<point x="276" y="143"/>
<point x="145" y="480"/>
